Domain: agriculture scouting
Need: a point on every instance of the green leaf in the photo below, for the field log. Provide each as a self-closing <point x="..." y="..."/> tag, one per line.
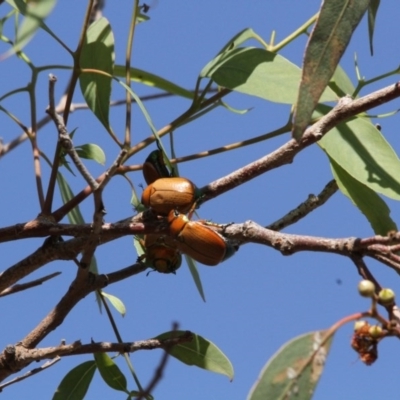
<point x="116" y="303"/>
<point x="258" y="72"/>
<point x="294" y="370"/>
<point x="74" y="216"/>
<point x="200" y="352"/>
<point x="362" y="151"/>
<point x="76" y="383"/>
<point x="195" y="275"/>
<point x="91" y="151"/>
<point x="233" y="43"/>
<point x="372" y="11"/>
<point x="341" y="83"/>
<point x="110" y="372"/>
<point x="98" y="54"/>
<point x="368" y="202"/>
<point x="335" y="25"/>
<point x="35" y="12"/>
<point x="146" y="78"/>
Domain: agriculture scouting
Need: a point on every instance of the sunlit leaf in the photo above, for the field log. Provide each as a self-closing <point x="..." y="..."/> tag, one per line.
<point x="98" y="54"/>
<point x="372" y="11"/>
<point x="258" y="72"/>
<point x="200" y="352"/>
<point x="91" y="151"/>
<point x="235" y="42"/>
<point x="76" y="383"/>
<point x="195" y="275"/>
<point x="294" y="370"/>
<point x="146" y="78"/>
<point x="110" y="372"/>
<point x="368" y="202"/>
<point x="363" y="152"/>
<point x="34" y="11"/>
<point x="332" y="32"/>
<point x="116" y="302"/>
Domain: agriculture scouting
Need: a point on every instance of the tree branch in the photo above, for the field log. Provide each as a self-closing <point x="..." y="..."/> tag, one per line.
<point x="28" y="285"/>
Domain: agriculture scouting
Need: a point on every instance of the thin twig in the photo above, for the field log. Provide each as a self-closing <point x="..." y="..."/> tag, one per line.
<point x="28" y="285"/>
<point x="305" y="208"/>
<point x="158" y="374"/>
<point x="28" y="374"/>
<point x="64" y="138"/>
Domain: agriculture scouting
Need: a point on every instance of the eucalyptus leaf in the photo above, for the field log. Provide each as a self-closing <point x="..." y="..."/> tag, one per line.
<point x="110" y="372"/>
<point x="367" y="201"/>
<point x="116" y="303"/>
<point x="98" y="54"/>
<point x="363" y="152"/>
<point x="201" y="353"/>
<point x="295" y="368"/>
<point x="332" y="32"/>
<point x="91" y="151"/>
<point x="76" y="383"/>
<point x="259" y="72"/>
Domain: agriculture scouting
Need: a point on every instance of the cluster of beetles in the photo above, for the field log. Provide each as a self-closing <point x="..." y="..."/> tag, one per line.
<point x="173" y="198"/>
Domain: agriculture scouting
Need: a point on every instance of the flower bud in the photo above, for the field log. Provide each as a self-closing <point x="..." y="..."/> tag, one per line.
<point x="366" y="288"/>
<point x="386" y="297"/>
<point x="375" y="331"/>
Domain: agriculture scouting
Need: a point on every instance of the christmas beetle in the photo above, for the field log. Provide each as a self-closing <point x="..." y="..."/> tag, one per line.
<point x="154" y="167"/>
<point x="199" y="241"/>
<point x="166" y="194"/>
<point x="161" y="253"/>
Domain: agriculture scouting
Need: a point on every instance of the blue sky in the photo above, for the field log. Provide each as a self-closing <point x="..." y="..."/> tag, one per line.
<point x="257" y="300"/>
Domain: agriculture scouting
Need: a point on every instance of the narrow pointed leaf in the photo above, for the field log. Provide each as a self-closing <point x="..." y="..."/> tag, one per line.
<point x="195" y="275"/>
<point x="201" y="353"/>
<point x="75" y="215"/>
<point x="294" y="369"/>
<point x="258" y="72"/>
<point x="372" y="11"/>
<point x="91" y="151"/>
<point x="116" y="303"/>
<point x="98" y="54"/>
<point x="34" y="11"/>
<point x="367" y="201"/>
<point x="234" y="43"/>
<point x="76" y="383"/>
<point x="331" y="34"/>
<point x="363" y="152"/>
<point x="110" y="372"/>
<point x="146" y="78"/>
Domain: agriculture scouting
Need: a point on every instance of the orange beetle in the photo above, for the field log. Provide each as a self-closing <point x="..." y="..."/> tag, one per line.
<point x="198" y="241"/>
<point x="166" y="194"/>
<point x="161" y="253"/>
<point x="154" y="167"/>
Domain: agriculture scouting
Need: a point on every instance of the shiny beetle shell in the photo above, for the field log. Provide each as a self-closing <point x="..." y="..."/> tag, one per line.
<point x="154" y="167"/>
<point x="198" y="240"/>
<point x="161" y="253"/>
<point x="166" y="194"/>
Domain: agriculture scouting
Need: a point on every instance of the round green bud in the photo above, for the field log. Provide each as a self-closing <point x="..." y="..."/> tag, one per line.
<point x="375" y="331"/>
<point x="366" y="288"/>
<point x="386" y="297"/>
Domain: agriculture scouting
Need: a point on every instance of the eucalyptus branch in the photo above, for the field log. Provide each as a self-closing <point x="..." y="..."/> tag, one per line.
<point x="28" y="285"/>
<point x="31" y="373"/>
<point x="303" y="209"/>
<point x="64" y="138"/>
<point x="17" y="357"/>
<point x="345" y="109"/>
